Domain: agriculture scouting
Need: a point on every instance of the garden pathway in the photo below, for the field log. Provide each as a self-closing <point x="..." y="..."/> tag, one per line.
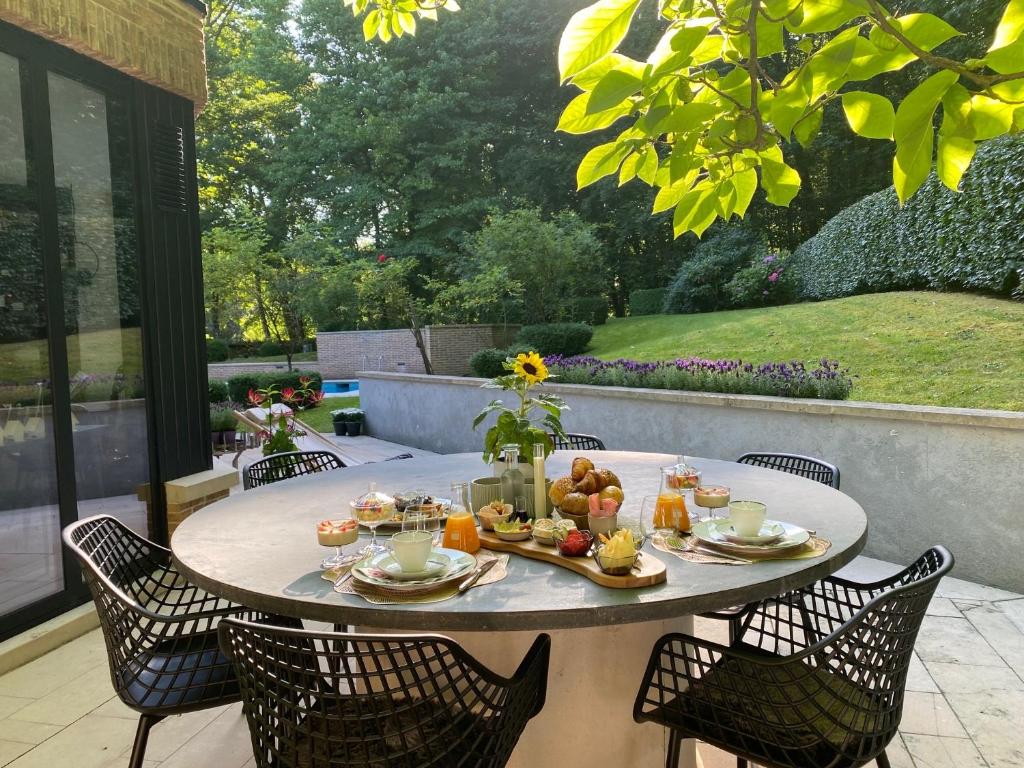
<point x="964" y="705"/>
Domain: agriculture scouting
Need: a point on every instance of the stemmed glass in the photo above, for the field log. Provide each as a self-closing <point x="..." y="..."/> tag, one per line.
<point x="371" y="517"/>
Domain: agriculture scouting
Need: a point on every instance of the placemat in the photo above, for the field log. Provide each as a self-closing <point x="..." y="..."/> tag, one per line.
<point x="816" y="546"/>
<point x="428" y="595"/>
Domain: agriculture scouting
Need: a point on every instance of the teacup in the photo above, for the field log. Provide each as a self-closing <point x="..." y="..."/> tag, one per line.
<point x="747" y="517"/>
<point x="412" y="548"/>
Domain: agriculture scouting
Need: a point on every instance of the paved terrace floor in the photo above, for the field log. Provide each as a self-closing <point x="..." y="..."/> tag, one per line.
<point x="964" y="706"/>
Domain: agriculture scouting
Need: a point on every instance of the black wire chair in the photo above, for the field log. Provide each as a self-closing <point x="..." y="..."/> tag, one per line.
<point x="794" y="464"/>
<point x="815" y="679"/>
<point x="281" y="466"/>
<point x="330" y="700"/>
<point x="160" y="630"/>
<point x="577" y="442"/>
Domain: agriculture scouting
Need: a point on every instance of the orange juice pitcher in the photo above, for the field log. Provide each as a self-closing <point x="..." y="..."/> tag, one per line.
<point x="460" y="532"/>
<point x="670" y="512"/>
<point x="460" y="529"/>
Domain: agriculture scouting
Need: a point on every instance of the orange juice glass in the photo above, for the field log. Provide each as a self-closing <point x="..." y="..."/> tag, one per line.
<point x="460" y="532"/>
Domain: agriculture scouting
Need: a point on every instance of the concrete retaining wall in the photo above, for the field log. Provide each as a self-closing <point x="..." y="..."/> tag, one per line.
<point x="924" y="475"/>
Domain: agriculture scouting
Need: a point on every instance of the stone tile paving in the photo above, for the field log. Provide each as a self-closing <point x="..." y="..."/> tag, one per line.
<point x="964" y="705"/>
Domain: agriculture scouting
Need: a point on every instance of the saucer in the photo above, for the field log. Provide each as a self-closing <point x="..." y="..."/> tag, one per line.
<point x="436" y="564"/>
<point x="770" y="532"/>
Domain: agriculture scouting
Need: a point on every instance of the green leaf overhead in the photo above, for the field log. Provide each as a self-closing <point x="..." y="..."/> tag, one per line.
<point x="616" y="86"/>
<point x="1006" y="54"/>
<point x="593" y="33"/>
<point x="869" y="114"/>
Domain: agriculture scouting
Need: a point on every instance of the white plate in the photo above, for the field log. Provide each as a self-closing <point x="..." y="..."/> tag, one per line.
<point x="770" y="532"/>
<point x="793" y="537"/>
<point x="386" y="562"/>
<point x="395" y="521"/>
<point x="460" y="564"/>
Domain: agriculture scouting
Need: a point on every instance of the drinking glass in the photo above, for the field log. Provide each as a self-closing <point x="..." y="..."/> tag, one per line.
<point x="520" y="509"/>
<point x="428" y="518"/>
<point x="632" y="519"/>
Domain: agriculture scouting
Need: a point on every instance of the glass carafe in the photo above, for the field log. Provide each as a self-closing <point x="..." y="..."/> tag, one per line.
<point x="512" y="481"/>
<point x="670" y="511"/>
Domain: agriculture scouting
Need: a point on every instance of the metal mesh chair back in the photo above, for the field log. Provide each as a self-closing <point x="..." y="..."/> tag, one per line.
<point x="577" y="442"/>
<point x="817" y="676"/>
<point x="322" y="700"/>
<point x="794" y="464"/>
<point x="281" y="466"/>
<point x="159" y="628"/>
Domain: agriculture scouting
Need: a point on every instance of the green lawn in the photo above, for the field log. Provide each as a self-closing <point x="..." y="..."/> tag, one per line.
<point x="319" y="418"/>
<point x="908" y="347"/>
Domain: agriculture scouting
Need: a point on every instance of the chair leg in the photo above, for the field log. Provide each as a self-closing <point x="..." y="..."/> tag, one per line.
<point x="675" y="744"/>
<point x="141" y="737"/>
<point x="882" y="760"/>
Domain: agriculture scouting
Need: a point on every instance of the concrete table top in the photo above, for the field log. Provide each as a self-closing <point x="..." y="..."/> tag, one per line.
<point x="259" y="548"/>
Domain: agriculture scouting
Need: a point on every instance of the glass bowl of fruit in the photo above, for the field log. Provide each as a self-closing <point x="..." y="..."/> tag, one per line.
<point x="617" y="555"/>
<point x="574" y="542"/>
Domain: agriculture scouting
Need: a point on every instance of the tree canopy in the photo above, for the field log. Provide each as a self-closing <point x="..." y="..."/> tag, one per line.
<point x="710" y="108"/>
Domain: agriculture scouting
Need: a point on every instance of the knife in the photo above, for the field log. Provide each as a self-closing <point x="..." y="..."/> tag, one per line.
<point x="475" y="576"/>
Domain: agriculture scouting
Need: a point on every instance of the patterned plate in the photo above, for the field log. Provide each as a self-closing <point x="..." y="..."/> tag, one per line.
<point x="794" y="537"/>
<point x="461" y="564"/>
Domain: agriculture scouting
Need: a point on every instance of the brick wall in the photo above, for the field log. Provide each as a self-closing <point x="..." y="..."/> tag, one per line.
<point x="158" y="41"/>
<point x="451" y="346"/>
<point x="342" y="353"/>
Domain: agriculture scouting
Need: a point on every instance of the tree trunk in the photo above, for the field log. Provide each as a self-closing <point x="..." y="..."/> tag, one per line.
<point x="414" y="325"/>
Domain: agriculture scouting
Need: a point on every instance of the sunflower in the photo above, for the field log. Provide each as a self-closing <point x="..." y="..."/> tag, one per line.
<point x="530" y="367"/>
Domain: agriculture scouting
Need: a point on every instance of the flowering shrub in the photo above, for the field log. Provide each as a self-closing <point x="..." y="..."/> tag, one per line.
<point x="793" y="379"/>
<point x="766" y="281"/>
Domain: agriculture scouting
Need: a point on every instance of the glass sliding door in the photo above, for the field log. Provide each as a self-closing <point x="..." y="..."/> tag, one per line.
<point x="101" y="295"/>
<point x="30" y="561"/>
<point x="74" y="429"/>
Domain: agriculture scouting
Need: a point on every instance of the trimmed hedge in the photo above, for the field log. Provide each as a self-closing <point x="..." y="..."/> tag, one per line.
<point x="556" y="338"/>
<point x="647" y="301"/>
<point x="217" y="351"/>
<point x="941" y="240"/>
<point x="488" y="363"/>
<point x="240" y="384"/>
<point x="218" y="391"/>
<point x="270" y="349"/>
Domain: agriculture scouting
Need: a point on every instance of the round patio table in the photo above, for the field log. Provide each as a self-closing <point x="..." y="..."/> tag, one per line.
<point x="259" y="548"/>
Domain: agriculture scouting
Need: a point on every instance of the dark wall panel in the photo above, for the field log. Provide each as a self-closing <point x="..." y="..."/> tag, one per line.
<point x="172" y="260"/>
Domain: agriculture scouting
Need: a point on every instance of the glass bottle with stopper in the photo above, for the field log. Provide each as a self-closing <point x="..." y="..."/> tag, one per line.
<point x="512" y="481"/>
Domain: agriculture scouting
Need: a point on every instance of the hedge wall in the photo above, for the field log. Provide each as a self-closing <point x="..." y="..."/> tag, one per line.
<point x="941" y="240"/>
<point x="646" y="301"/>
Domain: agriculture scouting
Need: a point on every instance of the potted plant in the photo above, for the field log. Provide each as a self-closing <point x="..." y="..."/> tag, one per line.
<point x="338" y="420"/>
<point x="222" y="425"/>
<point x="517" y="424"/>
<point x="354" y="421"/>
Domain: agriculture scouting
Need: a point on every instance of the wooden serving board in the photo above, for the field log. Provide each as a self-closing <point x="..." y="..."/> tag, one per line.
<point x="650" y="569"/>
